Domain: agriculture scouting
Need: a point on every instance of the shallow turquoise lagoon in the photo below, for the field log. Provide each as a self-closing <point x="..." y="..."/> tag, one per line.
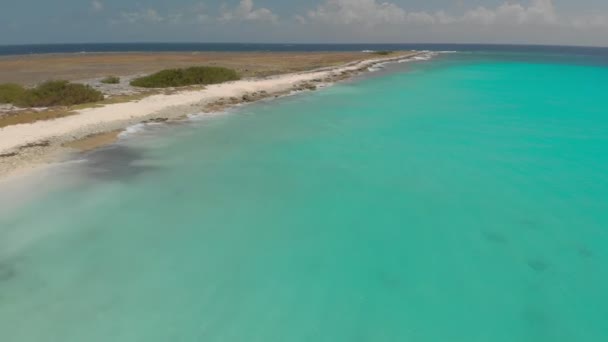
<point x="460" y="199"/>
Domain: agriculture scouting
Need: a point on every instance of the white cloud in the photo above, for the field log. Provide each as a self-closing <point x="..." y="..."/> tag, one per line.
<point x="96" y="6"/>
<point x="175" y="17"/>
<point x="245" y="11"/>
<point x="301" y="19"/>
<point x="597" y="21"/>
<point x="373" y="13"/>
<point x="366" y="12"/>
<point x="202" y="18"/>
<point x="539" y="12"/>
<point x="149" y="15"/>
<point x="191" y="15"/>
<point x="509" y="21"/>
<point x="195" y="14"/>
<point x="199" y="11"/>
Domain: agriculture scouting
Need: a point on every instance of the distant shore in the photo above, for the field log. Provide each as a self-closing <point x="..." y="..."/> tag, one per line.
<point x="25" y="145"/>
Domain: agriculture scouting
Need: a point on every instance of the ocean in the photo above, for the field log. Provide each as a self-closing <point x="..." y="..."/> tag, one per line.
<point x="463" y="198"/>
<point x="26" y="49"/>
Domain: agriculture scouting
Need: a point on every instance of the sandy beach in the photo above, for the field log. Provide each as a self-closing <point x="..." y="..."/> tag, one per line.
<point x="26" y="145"/>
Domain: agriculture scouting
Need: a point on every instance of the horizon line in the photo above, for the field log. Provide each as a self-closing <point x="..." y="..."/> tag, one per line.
<point x="307" y="43"/>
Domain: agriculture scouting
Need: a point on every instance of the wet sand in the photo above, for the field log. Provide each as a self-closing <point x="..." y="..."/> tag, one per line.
<point x="93" y="141"/>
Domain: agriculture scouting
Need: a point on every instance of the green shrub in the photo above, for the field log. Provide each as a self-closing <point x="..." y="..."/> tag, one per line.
<point x="185" y="77"/>
<point x="58" y="93"/>
<point x="9" y="92"/>
<point x="383" y="53"/>
<point x="111" y="80"/>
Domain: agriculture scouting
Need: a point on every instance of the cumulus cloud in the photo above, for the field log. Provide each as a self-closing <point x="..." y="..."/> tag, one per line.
<point x="96" y="6"/>
<point x="373" y="13"/>
<point x="597" y="21"/>
<point x="148" y="15"/>
<point x="199" y="11"/>
<point x="246" y="11"/>
<point x="539" y="12"/>
<point x="508" y="21"/>
<point x="367" y="12"/>
<point x="195" y="14"/>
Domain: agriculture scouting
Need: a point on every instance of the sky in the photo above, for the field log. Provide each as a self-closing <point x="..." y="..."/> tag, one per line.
<point x="562" y="22"/>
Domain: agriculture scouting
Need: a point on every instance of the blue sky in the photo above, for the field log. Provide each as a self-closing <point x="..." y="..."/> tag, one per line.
<point x="575" y="22"/>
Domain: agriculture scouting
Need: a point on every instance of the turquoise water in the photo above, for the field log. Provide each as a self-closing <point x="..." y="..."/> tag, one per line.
<point x="461" y="199"/>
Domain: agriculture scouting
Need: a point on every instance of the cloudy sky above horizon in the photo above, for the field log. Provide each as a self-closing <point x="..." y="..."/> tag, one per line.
<point x="572" y="22"/>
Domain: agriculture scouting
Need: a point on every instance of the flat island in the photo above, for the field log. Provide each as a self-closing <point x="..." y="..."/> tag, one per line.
<point x="33" y="69"/>
<point x="97" y="95"/>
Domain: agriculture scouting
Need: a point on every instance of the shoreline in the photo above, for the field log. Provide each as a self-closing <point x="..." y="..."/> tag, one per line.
<point x="28" y="146"/>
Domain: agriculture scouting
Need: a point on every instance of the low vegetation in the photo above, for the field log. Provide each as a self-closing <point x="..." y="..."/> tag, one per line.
<point x="9" y="92"/>
<point x="51" y="93"/>
<point x="185" y="77"/>
<point x="111" y="80"/>
<point x="383" y="53"/>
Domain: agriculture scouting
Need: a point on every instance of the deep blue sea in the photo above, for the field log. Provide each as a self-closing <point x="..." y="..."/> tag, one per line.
<point x="192" y="47"/>
<point x="461" y="199"/>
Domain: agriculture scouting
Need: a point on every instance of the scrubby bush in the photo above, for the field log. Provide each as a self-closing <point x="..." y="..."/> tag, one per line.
<point x="10" y="92"/>
<point x="185" y="77"/>
<point x="111" y="80"/>
<point x="58" y="93"/>
<point x="383" y="53"/>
